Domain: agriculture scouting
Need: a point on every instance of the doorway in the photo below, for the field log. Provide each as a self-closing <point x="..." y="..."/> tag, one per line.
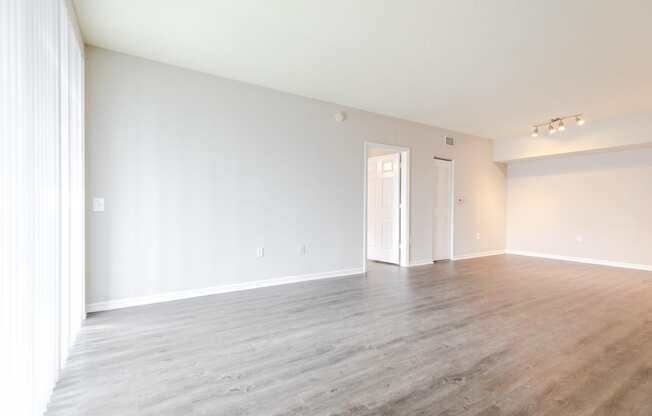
<point x="386" y="213"/>
<point x="442" y="214"/>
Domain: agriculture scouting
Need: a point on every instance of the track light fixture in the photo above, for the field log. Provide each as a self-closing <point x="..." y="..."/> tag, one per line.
<point x="557" y="124"/>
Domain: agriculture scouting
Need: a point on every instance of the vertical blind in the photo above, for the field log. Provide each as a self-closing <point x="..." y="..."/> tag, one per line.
<point x="41" y="198"/>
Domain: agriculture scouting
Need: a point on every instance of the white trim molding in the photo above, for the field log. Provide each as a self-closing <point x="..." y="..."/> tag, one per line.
<point x="478" y="254"/>
<point x="236" y="287"/>
<point x="423" y="262"/>
<point x="587" y="260"/>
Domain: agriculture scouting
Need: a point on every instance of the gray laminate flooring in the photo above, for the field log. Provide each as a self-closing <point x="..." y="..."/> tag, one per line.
<point x="501" y="335"/>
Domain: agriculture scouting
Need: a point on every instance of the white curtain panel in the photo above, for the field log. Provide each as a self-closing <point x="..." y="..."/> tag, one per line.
<point x="41" y="198"/>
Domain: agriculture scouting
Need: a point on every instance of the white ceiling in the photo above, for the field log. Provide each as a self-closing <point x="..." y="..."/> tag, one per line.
<point x="490" y="68"/>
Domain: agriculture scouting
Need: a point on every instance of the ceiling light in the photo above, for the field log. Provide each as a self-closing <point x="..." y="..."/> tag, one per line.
<point x="556" y="124"/>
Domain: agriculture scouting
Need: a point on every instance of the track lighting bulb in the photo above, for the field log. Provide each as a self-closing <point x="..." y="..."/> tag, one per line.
<point x="551" y="129"/>
<point x="580" y="121"/>
<point x="561" y="126"/>
<point x="535" y="132"/>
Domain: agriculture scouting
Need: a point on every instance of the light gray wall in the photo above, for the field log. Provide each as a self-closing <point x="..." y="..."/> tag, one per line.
<point x="198" y="171"/>
<point x="605" y="199"/>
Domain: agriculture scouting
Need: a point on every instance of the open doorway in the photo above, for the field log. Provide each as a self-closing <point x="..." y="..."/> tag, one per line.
<point x="442" y="213"/>
<point x="386" y="214"/>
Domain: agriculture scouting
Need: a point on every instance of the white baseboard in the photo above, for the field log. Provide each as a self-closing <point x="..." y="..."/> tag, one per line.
<point x="581" y="260"/>
<point x="459" y="257"/>
<point x="422" y="262"/>
<point x="479" y="254"/>
<point x="192" y="293"/>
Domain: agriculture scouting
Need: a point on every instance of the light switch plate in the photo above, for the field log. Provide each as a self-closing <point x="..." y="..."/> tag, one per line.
<point x="98" y="204"/>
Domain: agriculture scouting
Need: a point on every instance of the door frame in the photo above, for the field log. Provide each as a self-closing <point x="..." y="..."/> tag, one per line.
<point x="451" y="207"/>
<point x="404" y="203"/>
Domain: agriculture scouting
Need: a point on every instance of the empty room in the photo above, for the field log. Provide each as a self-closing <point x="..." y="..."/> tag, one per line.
<point x="348" y="208"/>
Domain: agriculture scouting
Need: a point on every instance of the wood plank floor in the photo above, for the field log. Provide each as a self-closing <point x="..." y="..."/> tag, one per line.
<point x="501" y="335"/>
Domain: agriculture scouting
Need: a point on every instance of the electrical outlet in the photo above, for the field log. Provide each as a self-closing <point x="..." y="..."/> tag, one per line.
<point x="303" y="250"/>
<point x="579" y="238"/>
<point x="477" y="236"/>
<point x="260" y="252"/>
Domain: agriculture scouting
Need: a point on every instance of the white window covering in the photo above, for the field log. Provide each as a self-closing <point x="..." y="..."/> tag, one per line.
<point x="41" y="198"/>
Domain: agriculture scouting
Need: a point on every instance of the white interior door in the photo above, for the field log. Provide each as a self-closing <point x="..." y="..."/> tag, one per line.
<point x="383" y="215"/>
<point x="442" y="206"/>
